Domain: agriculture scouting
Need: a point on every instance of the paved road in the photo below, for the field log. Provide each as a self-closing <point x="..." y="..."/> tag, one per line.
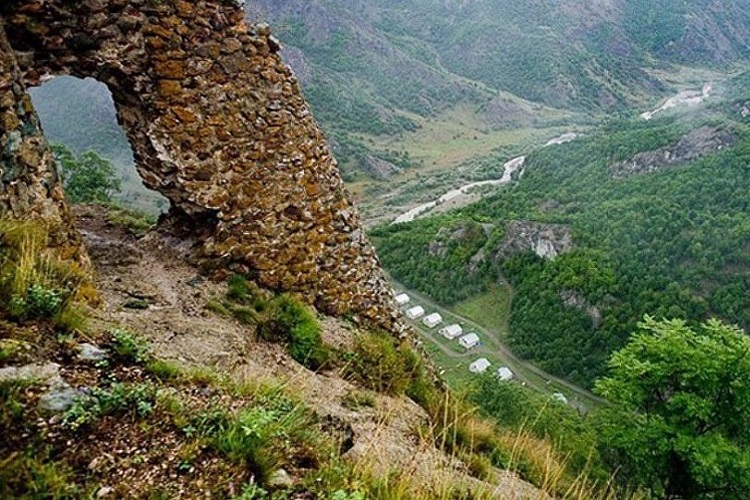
<point x="496" y="346"/>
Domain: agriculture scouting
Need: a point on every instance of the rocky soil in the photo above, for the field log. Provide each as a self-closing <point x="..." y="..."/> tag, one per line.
<point x="151" y="270"/>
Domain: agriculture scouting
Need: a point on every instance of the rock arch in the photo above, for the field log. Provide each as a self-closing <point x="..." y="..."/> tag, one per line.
<point x="217" y="124"/>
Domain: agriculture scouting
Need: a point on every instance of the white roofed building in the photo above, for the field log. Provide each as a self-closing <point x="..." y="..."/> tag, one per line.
<point x="432" y="320"/>
<point x="415" y="312"/>
<point x="450" y="332"/>
<point x="504" y="373"/>
<point x="469" y="341"/>
<point x="402" y="299"/>
<point x="480" y="365"/>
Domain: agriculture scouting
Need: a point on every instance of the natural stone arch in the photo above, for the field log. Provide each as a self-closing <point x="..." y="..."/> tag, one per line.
<point x="217" y="124"/>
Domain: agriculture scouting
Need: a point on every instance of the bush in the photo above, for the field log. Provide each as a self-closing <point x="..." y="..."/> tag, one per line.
<point x="287" y="319"/>
<point x="379" y="364"/>
<point x="129" y="347"/>
<point x="34" y="282"/>
<point x="119" y="398"/>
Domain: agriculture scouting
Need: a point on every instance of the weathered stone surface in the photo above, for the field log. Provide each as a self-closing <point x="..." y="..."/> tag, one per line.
<point x="217" y="124"/>
<point x="546" y="240"/>
<point x="692" y="146"/>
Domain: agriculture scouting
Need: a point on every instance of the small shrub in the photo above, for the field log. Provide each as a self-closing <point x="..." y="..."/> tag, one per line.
<point x="287" y="319"/>
<point x="34" y="282"/>
<point x="357" y="399"/>
<point x="134" y="221"/>
<point x="136" y="304"/>
<point x="264" y="436"/>
<point x="129" y="347"/>
<point x="138" y="399"/>
<point x="163" y="370"/>
<point x="217" y="307"/>
<point x="42" y="302"/>
<point x="32" y="474"/>
<point x="244" y="314"/>
<point x="238" y="289"/>
<point x="379" y="364"/>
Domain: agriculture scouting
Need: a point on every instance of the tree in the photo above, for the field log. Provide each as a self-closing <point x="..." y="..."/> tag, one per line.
<point x="88" y="178"/>
<point x="681" y="404"/>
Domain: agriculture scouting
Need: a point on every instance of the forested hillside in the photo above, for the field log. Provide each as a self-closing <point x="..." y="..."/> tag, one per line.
<point x="660" y="218"/>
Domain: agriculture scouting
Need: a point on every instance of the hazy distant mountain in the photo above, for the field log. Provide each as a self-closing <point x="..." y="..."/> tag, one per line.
<point x="380" y="68"/>
<point x="423" y="56"/>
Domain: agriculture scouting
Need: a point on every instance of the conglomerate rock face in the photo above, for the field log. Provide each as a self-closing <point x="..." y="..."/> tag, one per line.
<point x="217" y="124"/>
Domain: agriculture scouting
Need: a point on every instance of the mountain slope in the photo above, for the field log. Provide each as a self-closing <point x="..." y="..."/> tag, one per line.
<point x="657" y="214"/>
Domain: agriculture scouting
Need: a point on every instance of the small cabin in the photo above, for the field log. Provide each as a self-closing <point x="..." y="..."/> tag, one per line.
<point x="504" y="373"/>
<point x="469" y="341"/>
<point x="402" y="299"/>
<point x="415" y="312"/>
<point x="432" y="320"/>
<point x="450" y="332"/>
<point x="479" y="366"/>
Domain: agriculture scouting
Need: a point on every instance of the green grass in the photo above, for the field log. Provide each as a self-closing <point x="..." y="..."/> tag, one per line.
<point x="490" y="310"/>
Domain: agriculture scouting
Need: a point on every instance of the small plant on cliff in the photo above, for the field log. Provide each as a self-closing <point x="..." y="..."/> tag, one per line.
<point x="34" y="282"/>
<point x="287" y="319"/>
<point x="378" y="363"/>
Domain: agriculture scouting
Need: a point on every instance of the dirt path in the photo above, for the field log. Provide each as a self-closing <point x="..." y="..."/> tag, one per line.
<point x="147" y="286"/>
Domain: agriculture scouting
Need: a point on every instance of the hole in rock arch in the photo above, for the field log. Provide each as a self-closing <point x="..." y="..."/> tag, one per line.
<point x="80" y="114"/>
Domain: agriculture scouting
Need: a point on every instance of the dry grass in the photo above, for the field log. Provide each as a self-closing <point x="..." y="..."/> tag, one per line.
<point x="35" y="281"/>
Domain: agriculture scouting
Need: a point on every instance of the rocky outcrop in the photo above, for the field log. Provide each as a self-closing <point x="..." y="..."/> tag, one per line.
<point x="217" y="124"/>
<point x="546" y="240"/>
<point x="692" y="146"/>
<point x="379" y="168"/>
<point x="573" y="299"/>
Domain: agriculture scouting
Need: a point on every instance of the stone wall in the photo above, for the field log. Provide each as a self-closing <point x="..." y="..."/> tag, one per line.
<point x="217" y="124"/>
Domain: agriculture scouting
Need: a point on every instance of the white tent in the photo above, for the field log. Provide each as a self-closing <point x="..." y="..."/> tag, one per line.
<point x="402" y="299"/>
<point x="415" y="312"/>
<point x="479" y="366"/>
<point x="469" y="341"/>
<point x="432" y="320"/>
<point x="450" y="332"/>
<point x="504" y="373"/>
<point x="559" y="396"/>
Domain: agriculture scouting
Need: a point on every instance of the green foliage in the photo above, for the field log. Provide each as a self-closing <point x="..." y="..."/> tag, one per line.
<point x="287" y="319"/>
<point x="670" y="243"/>
<point x="238" y="289"/>
<point x="129" y="347"/>
<point x="135" y="221"/>
<point x="432" y="255"/>
<point x="263" y="436"/>
<point x="377" y="362"/>
<point x="34" y="282"/>
<point x="119" y="398"/>
<point x="33" y="474"/>
<point x="355" y="400"/>
<point x="682" y="402"/>
<point x="515" y="407"/>
<point x="87" y="178"/>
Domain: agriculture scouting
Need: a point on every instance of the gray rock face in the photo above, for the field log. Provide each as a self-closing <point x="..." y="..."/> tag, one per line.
<point x="58" y="398"/>
<point x="546" y="240"/>
<point x="41" y="373"/>
<point x="91" y="352"/>
<point x="692" y="146"/>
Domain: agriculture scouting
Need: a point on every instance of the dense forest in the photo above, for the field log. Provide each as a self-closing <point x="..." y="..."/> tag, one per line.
<point x="673" y="243"/>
